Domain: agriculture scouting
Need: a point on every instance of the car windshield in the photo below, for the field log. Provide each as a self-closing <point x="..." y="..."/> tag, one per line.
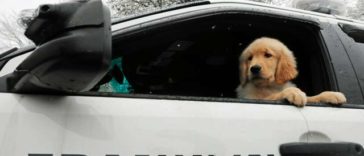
<point x="13" y="17"/>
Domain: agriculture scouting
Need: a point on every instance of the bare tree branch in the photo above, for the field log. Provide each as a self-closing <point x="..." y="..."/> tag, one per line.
<point x="11" y="33"/>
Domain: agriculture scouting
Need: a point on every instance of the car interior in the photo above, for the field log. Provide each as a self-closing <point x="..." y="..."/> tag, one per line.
<point x="199" y="57"/>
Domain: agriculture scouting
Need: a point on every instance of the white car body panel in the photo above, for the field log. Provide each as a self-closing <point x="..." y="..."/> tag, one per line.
<point x="130" y="126"/>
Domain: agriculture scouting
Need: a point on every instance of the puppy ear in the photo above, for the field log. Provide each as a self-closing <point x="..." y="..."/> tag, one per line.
<point x="243" y="70"/>
<point x="286" y="68"/>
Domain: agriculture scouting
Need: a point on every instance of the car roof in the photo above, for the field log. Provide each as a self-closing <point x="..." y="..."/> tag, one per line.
<point x="300" y="11"/>
<point x="304" y="13"/>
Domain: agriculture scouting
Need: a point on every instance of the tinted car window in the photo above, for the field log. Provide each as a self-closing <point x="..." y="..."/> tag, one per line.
<point x="353" y="39"/>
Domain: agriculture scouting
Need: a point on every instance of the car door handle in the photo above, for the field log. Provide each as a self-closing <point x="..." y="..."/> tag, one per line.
<point x="321" y="149"/>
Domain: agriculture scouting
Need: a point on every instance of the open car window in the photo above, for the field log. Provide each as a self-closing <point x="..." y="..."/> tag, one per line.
<point x="199" y="57"/>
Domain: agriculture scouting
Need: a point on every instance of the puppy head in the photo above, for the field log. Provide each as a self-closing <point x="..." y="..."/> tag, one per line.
<point x="267" y="61"/>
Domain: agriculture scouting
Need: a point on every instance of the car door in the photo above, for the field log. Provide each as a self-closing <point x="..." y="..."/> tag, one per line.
<point x="50" y="123"/>
<point x="89" y="125"/>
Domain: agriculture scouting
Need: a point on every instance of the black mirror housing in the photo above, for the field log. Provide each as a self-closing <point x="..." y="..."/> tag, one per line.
<point x="73" y="48"/>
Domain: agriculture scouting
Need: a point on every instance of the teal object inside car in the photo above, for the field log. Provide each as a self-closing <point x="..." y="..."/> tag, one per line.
<point x="113" y="85"/>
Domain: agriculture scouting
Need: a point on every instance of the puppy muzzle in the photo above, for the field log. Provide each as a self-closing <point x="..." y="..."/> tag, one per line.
<point x="255" y="70"/>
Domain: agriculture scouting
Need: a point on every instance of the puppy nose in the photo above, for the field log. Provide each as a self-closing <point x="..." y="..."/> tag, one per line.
<point x="255" y="69"/>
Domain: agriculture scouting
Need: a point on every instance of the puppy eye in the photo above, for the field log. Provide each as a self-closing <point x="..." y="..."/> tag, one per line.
<point x="267" y="55"/>
<point x="250" y="58"/>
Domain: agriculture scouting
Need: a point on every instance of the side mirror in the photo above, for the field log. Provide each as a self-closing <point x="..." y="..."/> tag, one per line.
<point x="73" y="48"/>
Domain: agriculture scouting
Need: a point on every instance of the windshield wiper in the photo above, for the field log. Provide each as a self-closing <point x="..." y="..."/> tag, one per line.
<point x="8" y="52"/>
<point x="14" y="52"/>
<point x="3" y="54"/>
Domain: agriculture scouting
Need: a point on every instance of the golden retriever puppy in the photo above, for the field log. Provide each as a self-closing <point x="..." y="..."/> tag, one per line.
<point x="266" y="68"/>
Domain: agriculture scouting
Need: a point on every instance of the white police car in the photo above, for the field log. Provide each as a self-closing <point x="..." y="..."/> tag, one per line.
<point x="166" y="85"/>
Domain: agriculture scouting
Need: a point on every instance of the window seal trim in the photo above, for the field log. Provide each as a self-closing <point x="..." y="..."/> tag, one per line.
<point x="207" y="99"/>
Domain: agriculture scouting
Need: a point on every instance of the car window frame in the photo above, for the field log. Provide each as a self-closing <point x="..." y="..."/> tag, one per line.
<point x="133" y="26"/>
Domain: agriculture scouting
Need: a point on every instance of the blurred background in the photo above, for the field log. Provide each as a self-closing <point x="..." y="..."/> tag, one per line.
<point x="14" y="14"/>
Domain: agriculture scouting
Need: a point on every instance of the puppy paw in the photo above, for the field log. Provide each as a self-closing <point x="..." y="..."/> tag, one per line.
<point x="332" y="97"/>
<point x="295" y="96"/>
